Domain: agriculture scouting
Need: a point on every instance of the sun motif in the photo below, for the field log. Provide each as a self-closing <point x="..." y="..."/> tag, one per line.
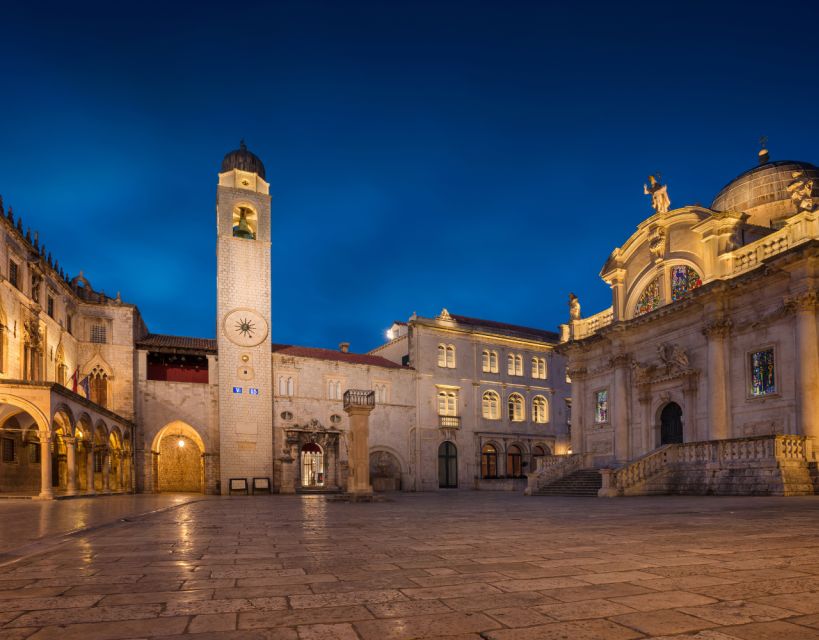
<point x="245" y="327"/>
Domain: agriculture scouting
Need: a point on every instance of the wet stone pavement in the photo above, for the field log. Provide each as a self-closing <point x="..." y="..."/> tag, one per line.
<point x="457" y="565"/>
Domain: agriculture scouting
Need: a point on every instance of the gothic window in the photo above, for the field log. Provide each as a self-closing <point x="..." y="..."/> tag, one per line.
<point x="601" y="406"/>
<point x="514" y="461"/>
<point x="517" y="409"/>
<point x="489" y="461"/>
<point x="447" y="403"/>
<point x="490" y="405"/>
<point x="98" y="380"/>
<point x="333" y="390"/>
<point x="763" y="380"/>
<point x="99" y="333"/>
<point x="14" y="274"/>
<point x="683" y="280"/>
<point x="539" y="368"/>
<point x="649" y="299"/>
<point x="50" y="306"/>
<point x="540" y="410"/>
<point x="244" y="223"/>
<point x="514" y="364"/>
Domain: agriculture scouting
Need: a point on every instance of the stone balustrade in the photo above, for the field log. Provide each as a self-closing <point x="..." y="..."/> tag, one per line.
<point x="762" y="465"/>
<point x="551" y="469"/>
<point x="585" y="327"/>
<point x="800" y="228"/>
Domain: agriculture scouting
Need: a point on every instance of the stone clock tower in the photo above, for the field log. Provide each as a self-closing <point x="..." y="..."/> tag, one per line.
<point x="243" y="319"/>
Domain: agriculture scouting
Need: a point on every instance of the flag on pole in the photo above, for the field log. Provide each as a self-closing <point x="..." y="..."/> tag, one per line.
<point x="74" y="379"/>
<point x="85" y="383"/>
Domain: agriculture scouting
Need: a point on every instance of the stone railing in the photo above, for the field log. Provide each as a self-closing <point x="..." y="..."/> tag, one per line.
<point x="363" y="398"/>
<point x="551" y="469"/>
<point x="799" y="229"/>
<point x="588" y="326"/>
<point x="700" y="467"/>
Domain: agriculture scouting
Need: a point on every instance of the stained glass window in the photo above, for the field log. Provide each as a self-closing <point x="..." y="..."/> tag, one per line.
<point x="649" y="299"/>
<point x="601" y="407"/>
<point x="683" y="279"/>
<point x="762" y="373"/>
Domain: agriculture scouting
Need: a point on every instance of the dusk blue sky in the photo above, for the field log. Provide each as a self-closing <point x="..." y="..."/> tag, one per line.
<point x="480" y="156"/>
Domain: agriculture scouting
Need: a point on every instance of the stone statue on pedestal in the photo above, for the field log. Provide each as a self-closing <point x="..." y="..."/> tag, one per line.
<point x="659" y="195"/>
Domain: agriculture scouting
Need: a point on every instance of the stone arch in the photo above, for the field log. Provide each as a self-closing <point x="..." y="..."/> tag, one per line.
<point x="23" y="425"/>
<point x="386" y="469"/>
<point x="658" y="405"/>
<point x="178" y="459"/>
<point x="490" y="453"/>
<point x="515" y="458"/>
<point x="64" y="418"/>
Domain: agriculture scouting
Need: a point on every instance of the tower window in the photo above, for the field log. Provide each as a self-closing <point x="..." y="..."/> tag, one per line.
<point x="13" y="273"/>
<point x="50" y="306"/>
<point x="99" y="334"/>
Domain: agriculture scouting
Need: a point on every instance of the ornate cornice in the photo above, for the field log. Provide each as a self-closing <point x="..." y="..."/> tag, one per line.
<point x="804" y="301"/>
<point x="717" y="328"/>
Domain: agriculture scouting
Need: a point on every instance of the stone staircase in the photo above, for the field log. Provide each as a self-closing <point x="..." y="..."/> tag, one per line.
<point x="584" y="482"/>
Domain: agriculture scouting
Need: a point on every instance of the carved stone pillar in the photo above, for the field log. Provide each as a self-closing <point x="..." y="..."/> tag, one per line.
<point x="578" y="415"/>
<point x="649" y="441"/>
<point x="719" y="401"/>
<point x="619" y="414"/>
<point x="807" y="372"/>
<point x="71" y="465"/>
<point x="46" y="490"/>
<point x="359" y="478"/>
<point x="106" y="471"/>
<point x="89" y="469"/>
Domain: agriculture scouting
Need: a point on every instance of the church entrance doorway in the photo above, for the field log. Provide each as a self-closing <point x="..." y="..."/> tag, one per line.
<point x="671" y="430"/>
<point x="312" y="466"/>
<point x="447" y="466"/>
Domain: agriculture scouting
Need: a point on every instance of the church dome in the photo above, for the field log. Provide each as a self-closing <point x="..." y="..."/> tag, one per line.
<point x="243" y="160"/>
<point x="763" y="192"/>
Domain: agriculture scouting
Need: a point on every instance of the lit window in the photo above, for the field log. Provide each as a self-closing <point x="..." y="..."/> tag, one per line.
<point x="447" y="403"/>
<point x="441" y="355"/>
<point x="489" y="461"/>
<point x="763" y="381"/>
<point x="683" y="280"/>
<point x="649" y="299"/>
<point x="514" y="364"/>
<point x="490" y="361"/>
<point x="446" y="356"/>
<point x="98" y="380"/>
<point x="98" y="333"/>
<point x="517" y="411"/>
<point x="490" y="405"/>
<point x="514" y="462"/>
<point x="601" y="406"/>
<point x="540" y="410"/>
<point x="539" y="368"/>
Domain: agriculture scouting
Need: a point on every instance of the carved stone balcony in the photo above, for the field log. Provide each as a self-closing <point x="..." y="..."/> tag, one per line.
<point x="359" y="399"/>
<point x="449" y="422"/>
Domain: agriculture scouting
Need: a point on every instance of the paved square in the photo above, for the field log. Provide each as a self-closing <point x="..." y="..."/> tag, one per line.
<point x="458" y="565"/>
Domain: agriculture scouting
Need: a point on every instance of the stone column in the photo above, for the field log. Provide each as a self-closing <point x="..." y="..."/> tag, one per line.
<point x="807" y="373"/>
<point x="358" y="481"/>
<point x="578" y="417"/>
<point x="619" y="409"/>
<point x="89" y="470"/>
<point x="106" y="471"/>
<point x="719" y="404"/>
<point x="648" y="441"/>
<point x="71" y="465"/>
<point x="46" y="490"/>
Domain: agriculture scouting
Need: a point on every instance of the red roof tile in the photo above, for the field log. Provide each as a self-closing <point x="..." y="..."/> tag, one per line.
<point x="339" y="356"/>
<point x="550" y="336"/>
<point x="161" y="341"/>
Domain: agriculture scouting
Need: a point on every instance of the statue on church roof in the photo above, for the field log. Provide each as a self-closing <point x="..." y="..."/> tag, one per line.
<point x="574" y="307"/>
<point x="659" y="195"/>
<point x="801" y="190"/>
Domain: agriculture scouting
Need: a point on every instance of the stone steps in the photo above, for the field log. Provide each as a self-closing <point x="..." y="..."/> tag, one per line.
<point x="586" y="482"/>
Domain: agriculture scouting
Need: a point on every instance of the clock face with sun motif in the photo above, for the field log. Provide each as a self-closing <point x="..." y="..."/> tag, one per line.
<point x="245" y="327"/>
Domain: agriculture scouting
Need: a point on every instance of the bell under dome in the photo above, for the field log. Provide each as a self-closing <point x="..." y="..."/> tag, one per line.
<point x="243" y="160"/>
<point x="762" y="192"/>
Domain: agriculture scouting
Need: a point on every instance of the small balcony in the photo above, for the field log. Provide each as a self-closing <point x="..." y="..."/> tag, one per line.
<point x="361" y="398"/>
<point x="449" y="422"/>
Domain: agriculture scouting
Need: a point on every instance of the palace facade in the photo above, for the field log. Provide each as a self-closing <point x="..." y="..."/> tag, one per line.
<point x="92" y="402"/>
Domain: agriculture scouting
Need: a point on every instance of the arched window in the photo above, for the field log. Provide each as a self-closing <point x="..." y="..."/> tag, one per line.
<point x="514" y="364"/>
<point x="537" y="457"/>
<point x="286" y="386"/>
<point x="683" y="280"/>
<point x="446" y="356"/>
<point x="490" y="405"/>
<point x="517" y="411"/>
<point x="489" y="461"/>
<point x="447" y="403"/>
<point x="649" y="299"/>
<point x="540" y="410"/>
<point x="490" y="361"/>
<point x="539" y="368"/>
<point x="98" y="381"/>
<point x="244" y="223"/>
<point x="514" y="461"/>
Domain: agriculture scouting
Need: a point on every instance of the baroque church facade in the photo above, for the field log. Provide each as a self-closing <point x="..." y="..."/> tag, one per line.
<point x="703" y="375"/>
<point x="92" y="402"/>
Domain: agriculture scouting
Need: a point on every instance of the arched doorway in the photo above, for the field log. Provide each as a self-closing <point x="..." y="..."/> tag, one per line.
<point x="447" y="466"/>
<point x="179" y="459"/>
<point x="312" y="466"/>
<point x="671" y="430"/>
<point x="489" y="461"/>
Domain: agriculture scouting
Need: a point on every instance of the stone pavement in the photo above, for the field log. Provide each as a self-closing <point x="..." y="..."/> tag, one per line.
<point x="461" y="565"/>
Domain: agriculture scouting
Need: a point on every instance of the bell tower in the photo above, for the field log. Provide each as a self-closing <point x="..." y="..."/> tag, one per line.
<point x="243" y="319"/>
